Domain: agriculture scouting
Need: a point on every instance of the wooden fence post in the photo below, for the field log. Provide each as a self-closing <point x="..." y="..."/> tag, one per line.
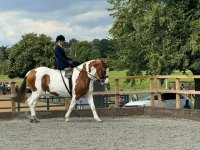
<point x="117" y="93"/>
<point x="12" y="91"/>
<point x="47" y="100"/>
<point x="177" y="94"/>
<point x="152" y="92"/>
<point x="159" y="94"/>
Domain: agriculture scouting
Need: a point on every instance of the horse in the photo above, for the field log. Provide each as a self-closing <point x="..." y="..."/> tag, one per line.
<point x="43" y="79"/>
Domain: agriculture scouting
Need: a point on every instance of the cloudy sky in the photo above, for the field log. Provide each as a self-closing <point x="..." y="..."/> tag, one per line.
<point x="80" y="19"/>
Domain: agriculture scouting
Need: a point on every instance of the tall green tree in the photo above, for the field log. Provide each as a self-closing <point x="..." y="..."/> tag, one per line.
<point x="31" y="51"/>
<point x="72" y="47"/>
<point x="1" y="56"/>
<point x="157" y="36"/>
<point x="83" y="50"/>
<point x="104" y="46"/>
<point x="4" y="50"/>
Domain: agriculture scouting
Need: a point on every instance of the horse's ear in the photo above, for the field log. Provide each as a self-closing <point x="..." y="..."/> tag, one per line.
<point x="105" y="60"/>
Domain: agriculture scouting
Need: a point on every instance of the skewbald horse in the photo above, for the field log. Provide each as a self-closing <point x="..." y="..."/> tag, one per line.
<point x="44" y="79"/>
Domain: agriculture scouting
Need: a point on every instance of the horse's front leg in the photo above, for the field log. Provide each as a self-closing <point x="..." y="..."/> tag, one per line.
<point x="71" y="107"/>
<point x="92" y="106"/>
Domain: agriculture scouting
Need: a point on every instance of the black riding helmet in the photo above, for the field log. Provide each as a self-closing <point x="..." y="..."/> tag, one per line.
<point x="60" y="38"/>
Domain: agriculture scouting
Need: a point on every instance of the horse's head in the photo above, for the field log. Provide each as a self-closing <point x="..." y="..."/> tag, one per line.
<point x="99" y="70"/>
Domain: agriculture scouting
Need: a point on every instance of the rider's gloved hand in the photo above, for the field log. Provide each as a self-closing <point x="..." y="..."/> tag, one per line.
<point x="76" y="63"/>
<point x="70" y="62"/>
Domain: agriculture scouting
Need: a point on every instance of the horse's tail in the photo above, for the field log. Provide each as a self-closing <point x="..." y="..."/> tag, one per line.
<point x="20" y="97"/>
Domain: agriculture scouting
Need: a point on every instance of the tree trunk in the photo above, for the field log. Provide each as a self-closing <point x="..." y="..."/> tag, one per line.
<point x="197" y="88"/>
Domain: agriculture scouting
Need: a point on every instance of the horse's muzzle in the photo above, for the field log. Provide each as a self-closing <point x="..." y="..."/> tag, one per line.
<point x="104" y="80"/>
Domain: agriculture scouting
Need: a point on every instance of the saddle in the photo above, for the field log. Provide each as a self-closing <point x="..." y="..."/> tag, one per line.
<point x="68" y="72"/>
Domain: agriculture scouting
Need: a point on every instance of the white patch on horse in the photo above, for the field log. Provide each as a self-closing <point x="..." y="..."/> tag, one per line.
<point x="106" y="80"/>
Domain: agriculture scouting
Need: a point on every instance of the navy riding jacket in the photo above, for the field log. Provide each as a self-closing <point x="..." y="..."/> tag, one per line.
<point x="62" y="61"/>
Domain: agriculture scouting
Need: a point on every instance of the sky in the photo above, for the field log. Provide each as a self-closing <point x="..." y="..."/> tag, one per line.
<point x="79" y="19"/>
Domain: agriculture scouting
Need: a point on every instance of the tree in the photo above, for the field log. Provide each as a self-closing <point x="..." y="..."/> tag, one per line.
<point x="157" y="36"/>
<point x="104" y="46"/>
<point x="1" y="56"/>
<point x="4" y="52"/>
<point x="72" y="47"/>
<point x="31" y="51"/>
<point x="83" y="50"/>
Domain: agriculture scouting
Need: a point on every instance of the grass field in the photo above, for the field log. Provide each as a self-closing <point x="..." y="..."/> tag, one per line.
<point x="2" y="77"/>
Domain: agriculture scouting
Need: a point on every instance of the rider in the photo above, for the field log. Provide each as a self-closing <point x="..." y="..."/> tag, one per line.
<point x="62" y="61"/>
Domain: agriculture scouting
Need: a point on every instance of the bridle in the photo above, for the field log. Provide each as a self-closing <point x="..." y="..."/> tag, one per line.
<point x="103" y="77"/>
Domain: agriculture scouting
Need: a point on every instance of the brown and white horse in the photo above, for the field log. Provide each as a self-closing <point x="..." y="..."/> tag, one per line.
<point x="45" y="79"/>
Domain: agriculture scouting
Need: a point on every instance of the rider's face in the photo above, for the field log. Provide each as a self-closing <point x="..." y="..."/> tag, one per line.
<point x="62" y="43"/>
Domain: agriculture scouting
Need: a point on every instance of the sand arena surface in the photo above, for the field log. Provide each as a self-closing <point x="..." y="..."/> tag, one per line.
<point x="118" y="133"/>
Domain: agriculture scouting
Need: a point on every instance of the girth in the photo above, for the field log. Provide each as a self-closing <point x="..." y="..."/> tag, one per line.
<point x="69" y="90"/>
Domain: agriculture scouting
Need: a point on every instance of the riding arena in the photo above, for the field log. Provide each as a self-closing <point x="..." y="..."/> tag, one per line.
<point x="67" y="127"/>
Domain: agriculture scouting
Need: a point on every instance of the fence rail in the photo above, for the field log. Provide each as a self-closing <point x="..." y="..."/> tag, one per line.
<point x="156" y="89"/>
<point x="153" y="88"/>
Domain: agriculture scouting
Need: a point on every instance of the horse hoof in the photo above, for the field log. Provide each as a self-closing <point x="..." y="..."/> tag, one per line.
<point x="98" y="120"/>
<point x="37" y="121"/>
<point x="66" y="119"/>
<point x="34" y="121"/>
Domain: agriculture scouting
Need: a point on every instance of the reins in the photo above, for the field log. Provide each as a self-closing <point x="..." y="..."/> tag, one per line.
<point x="95" y="76"/>
<point x="87" y="73"/>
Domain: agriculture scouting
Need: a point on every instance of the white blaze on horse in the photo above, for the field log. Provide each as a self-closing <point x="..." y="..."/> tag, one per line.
<point x="45" y="79"/>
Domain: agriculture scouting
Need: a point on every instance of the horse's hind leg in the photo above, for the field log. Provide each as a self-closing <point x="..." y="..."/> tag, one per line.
<point x="32" y="100"/>
<point x="92" y="106"/>
<point x="71" y="107"/>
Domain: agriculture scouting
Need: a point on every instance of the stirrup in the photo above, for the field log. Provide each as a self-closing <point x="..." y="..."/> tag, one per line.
<point x="68" y="72"/>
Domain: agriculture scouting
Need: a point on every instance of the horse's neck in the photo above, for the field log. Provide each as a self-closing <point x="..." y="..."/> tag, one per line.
<point x="82" y="72"/>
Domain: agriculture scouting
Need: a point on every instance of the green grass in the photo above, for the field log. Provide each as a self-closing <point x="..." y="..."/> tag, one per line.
<point x="117" y="73"/>
<point x="3" y="77"/>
